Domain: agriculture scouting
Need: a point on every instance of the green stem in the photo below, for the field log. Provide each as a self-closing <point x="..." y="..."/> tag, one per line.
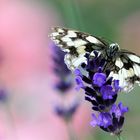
<point x="119" y="137"/>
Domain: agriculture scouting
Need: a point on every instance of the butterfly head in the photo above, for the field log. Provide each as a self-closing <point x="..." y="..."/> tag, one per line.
<point x="112" y="50"/>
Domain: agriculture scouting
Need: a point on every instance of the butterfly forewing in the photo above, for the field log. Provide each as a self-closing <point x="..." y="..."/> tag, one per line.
<point x="76" y="44"/>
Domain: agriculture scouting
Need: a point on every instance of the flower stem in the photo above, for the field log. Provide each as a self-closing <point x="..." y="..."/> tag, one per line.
<point x="119" y="137"/>
<point x="71" y="133"/>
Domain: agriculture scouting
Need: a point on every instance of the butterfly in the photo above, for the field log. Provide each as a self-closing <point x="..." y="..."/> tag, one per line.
<point x="124" y="65"/>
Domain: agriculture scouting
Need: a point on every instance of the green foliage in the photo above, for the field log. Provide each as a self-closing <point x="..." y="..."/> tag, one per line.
<point x="95" y="16"/>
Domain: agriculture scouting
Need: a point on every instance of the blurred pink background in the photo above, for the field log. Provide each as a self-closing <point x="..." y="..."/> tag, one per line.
<point x="27" y="76"/>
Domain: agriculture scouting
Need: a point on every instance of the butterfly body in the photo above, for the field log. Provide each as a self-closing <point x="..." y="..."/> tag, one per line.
<point x="124" y="65"/>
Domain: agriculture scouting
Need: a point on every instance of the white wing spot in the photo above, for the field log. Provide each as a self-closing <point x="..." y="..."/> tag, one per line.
<point x="119" y="63"/>
<point x="93" y="39"/>
<point x="115" y="76"/>
<point x="134" y="58"/>
<point x="92" y="54"/>
<point x="130" y="72"/>
<point x="71" y="34"/>
<point x="60" y="30"/>
<point x="55" y="34"/>
<point x="66" y="39"/>
<point x="70" y="43"/>
<point x="136" y="69"/>
<point x="79" y="42"/>
<point x="81" y="49"/>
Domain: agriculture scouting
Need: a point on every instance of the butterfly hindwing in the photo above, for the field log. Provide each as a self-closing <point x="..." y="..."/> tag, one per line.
<point x="127" y="69"/>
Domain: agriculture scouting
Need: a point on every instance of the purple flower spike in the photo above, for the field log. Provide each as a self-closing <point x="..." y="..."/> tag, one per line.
<point x="122" y="108"/>
<point x="79" y="82"/>
<point x="101" y="91"/>
<point x="119" y="110"/>
<point x="99" y="79"/>
<point x="77" y="72"/>
<point x="60" y="69"/>
<point x="104" y="120"/>
<point x="66" y="112"/>
<point x="94" y="121"/>
<point x="116" y="85"/>
<point x="107" y="92"/>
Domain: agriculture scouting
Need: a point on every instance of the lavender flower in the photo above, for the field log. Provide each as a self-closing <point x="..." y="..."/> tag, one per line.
<point x="66" y="112"/>
<point x="118" y="110"/>
<point x="110" y="121"/>
<point x="3" y="95"/>
<point x="107" y="92"/>
<point x="101" y="91"/>
<point x="99" y="79"/>
<point x="64" y="84"/>
<point x="103" y="120"/>
<point x="79" y="82"/>
<point x="61" y="70"/>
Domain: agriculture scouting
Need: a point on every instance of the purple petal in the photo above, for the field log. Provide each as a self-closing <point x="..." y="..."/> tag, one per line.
<point x="94" y="121"/>
<point x="122" y="108"/>
<point x="79" y="82"/>
<point x="113" y="109"/>
<point x="77" y="72"/>
<point x="107" y="92"/>
<point x="104" y="120"/>
<point x="119" y="110"/>
<point x="116" y="85"/>
<point x="99" y="79"/>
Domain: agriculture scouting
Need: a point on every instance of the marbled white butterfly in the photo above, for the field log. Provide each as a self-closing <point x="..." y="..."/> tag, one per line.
<point x="124" y="65"/>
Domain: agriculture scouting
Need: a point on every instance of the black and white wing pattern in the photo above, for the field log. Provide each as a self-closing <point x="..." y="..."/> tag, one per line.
<point x="124" y="65"/>
<point x="126" y="70"/>
<point x="76" y="45"/>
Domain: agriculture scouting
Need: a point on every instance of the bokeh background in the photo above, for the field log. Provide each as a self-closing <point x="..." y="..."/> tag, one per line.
<point x="28" y="95"/>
